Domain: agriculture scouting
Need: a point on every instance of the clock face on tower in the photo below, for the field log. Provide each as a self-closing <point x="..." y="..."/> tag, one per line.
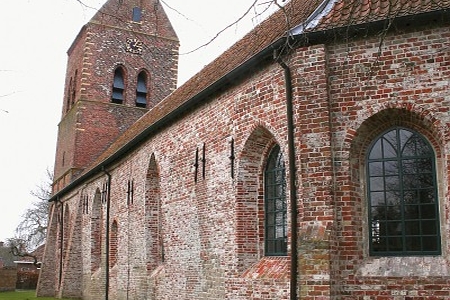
<point x="134" y="46"/>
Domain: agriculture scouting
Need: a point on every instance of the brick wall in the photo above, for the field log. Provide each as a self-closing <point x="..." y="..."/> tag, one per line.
<point x="406" y="83"/>
<point x="207" y="242"/>
<point x="8" y="279"/>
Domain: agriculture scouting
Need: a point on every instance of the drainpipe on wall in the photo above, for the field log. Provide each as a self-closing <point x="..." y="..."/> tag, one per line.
<point x="61" y="241"/>
<point x="108" y="193"/>
<point x="292" y="172"/>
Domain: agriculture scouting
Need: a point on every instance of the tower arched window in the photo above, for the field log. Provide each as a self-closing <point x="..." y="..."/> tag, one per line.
<point x="402" y="191"/>
<point x="141" y="90"/>
<point x="275" y="208"/>
<point x="118" y="87"/>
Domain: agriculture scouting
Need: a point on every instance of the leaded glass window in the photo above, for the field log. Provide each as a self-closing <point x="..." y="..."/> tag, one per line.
<point x="275" y="205"/>
<point x="402" y="192"/>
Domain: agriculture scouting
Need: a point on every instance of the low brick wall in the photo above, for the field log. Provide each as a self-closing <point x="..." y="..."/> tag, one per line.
<point x="27" y="280"/>
<point x="8" y="278"/>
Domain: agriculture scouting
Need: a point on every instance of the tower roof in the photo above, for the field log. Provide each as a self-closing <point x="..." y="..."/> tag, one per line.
<point x="148" y="17"/>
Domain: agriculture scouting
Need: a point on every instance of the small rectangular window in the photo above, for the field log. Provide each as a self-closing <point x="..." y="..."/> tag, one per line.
<point x="137" y="14"/>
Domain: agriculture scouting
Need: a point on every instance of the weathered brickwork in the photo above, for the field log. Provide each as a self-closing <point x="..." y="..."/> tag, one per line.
<point x="198" y="218"/>
<point x="90" y="121"/>
<point x="183" y="210"/>
<point x="8" y="279"/>
<point x="404" y="82"/>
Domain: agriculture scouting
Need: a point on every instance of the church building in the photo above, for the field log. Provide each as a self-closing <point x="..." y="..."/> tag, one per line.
<point x="311" y="160"/>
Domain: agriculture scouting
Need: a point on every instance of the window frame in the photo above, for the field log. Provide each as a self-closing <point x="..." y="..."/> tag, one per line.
<point x="274" y="245"/>
<point x="404" y="188"/>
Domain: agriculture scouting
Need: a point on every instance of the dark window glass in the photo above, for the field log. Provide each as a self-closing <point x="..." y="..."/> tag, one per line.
<point x="275" y="205"/>
<point x="118" y="87"/>
<point x="403" y="212"/>
<point x="137" y="14"/>
<point x="141" y="90"/>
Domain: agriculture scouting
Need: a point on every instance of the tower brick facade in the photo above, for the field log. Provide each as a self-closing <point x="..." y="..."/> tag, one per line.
<point x="91" y="121"/>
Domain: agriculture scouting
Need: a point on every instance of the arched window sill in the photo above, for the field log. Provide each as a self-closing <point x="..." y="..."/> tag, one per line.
<point x="418" y="266"/>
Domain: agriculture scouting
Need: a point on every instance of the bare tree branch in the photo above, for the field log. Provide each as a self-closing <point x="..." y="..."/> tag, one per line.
<point x="9" y="94"/>
<point x="176" y="10"/>
<point x="219" y="33"/>
<point x="31" y="231"/>
<point x="85" y="5"/>
<point x="18" y="248"/>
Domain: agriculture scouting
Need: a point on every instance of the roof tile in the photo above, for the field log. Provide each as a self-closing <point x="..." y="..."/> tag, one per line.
<point x="351" y="12"/>
<point x="296" y="12"/>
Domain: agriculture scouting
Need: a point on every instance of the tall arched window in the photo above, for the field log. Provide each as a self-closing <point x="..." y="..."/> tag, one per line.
<point x="403" y="202"/>
<point x="118" y="87"/>
<point x="114" y="243"/>
<point x="275" y="208"/>
<point x="153" y="217"/>
<point x="141" y="90"/>
<point x="96" y="231"/>
<point x="66" y="228"/>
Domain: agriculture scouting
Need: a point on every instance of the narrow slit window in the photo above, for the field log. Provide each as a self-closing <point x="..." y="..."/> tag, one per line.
<point x="69" y="91"/>
<point x="73" y="88"/>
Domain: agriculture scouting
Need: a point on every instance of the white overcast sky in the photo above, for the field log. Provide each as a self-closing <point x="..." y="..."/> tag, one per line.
<point x="34" y="38"/>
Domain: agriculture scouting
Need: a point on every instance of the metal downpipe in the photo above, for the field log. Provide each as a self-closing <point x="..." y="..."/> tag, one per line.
<point x="108" y="193"/>
<point x="61" y="241"/>
<point x="292" y="172"/>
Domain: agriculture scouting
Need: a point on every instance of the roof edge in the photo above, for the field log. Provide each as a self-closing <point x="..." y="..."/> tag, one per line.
<point x="313" y="20"/>
<point x="305" y="37"/>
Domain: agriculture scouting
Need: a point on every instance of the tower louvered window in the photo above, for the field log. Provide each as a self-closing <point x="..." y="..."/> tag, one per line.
<point x="141" y="90"/>
<point x="402" y="192"/>
<point x="118" y="87"/>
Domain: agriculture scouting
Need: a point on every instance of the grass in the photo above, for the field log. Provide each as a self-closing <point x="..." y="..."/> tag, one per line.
<point x="24" y="295"/>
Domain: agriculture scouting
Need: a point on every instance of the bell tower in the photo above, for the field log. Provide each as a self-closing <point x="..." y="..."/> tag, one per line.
<point x="121" y="64"/>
